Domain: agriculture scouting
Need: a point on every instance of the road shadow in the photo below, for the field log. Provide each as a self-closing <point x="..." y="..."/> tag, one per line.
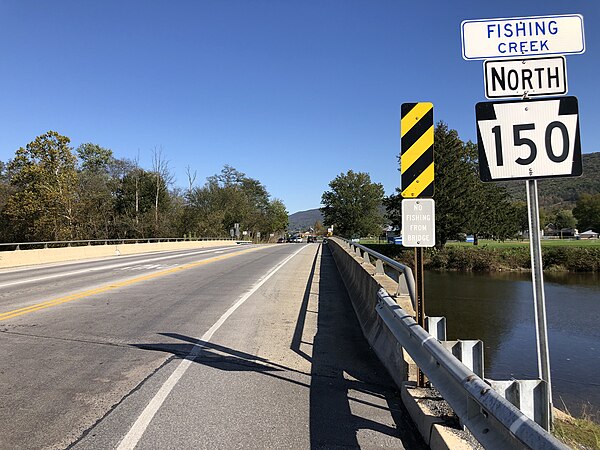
<point x="220" y="357"/>
<point x="346" y="375"/>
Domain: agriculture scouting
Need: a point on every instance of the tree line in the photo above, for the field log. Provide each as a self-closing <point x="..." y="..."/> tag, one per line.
<point x="52" y="192"/>
<point x="464" y="205"/>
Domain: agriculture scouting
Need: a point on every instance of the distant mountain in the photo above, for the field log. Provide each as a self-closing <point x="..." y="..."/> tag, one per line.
<point x="302" y="220"/>
<point x="562" y="193"/>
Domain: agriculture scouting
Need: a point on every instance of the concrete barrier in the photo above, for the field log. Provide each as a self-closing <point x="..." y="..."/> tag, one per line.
<point x="362" y="283"/>
<point x="50" y="255"/>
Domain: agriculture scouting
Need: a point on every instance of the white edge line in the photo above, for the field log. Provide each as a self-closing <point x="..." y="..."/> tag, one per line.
<point x="135" y="433"/>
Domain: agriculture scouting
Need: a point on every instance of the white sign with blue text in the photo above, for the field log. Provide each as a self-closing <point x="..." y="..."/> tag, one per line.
<point x="522" y="36"/>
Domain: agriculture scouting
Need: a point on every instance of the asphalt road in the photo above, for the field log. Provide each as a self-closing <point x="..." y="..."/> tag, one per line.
<point x="245" y="347"/>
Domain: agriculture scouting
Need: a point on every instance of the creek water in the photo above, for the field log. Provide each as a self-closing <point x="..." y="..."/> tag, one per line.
<point x="498" y="309"/>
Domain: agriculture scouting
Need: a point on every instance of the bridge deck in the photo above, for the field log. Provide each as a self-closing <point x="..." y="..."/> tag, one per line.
<point x="289" y="369"/>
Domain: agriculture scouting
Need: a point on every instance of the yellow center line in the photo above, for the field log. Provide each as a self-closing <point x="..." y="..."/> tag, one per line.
<point x="112" y="286"/>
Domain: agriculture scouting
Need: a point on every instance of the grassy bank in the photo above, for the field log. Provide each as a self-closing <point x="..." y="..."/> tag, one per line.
<point x="578" y="433"/>
<point x="499" y="256"/>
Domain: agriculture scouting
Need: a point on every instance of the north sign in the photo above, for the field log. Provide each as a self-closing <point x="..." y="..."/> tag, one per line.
<point x="522" y="36"/>
<point x="525" y="76"/>
<point x="528" y="139"/>
<point x="418" y="222"/>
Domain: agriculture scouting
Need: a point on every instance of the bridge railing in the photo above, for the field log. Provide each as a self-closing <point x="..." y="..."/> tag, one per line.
<point x="8" y="246"/>
<point x="492" y="419"/>
<point x="383" y="264"/>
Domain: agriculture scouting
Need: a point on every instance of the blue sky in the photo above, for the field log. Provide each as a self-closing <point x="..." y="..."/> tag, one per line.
<point x="292" y="93"/>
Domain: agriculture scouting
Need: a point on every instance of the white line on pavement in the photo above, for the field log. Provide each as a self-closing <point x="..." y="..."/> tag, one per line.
<point x="141" y="424"/>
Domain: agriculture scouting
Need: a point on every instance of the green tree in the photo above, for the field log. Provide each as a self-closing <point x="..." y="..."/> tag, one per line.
<point x="352" y="205"/>
<point x="135" y="202"/>
<point x="44" y="178"/>
<point x="94" y="159"/>
<point x="228" y="198"/>
<point x="5" y="192"/>
<point x="320" y="230"/>
<point x="564" y="218"/>
<point x="493" y="215"/>
<point x="98" y="183"/>
<point x="162" y="179"/>
<point x="587" y="212"/>
<point x="455" y="184"/>
<point x="277" y="216"/>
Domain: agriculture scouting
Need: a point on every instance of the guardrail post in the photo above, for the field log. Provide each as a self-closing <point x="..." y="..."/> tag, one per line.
<point x="379" y="267"/>
<point x="366" y="258"/>
<point x="469" y="352"/>
<point x="402" y="285"/>
<point x="436" y="326"/>
<point x="530" y="396"/>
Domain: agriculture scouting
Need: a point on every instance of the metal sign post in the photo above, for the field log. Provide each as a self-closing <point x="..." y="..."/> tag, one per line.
<point x="418" y="230"/>
<point x="539" y="300"/>
<point x="420" y="300"/>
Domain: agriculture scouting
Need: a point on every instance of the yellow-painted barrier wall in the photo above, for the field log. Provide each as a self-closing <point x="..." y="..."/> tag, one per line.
<point x="50" y="255"/>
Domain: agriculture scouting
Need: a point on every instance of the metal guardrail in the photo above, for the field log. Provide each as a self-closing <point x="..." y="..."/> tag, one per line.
<point x="406" y="280"/>
<point x="492" y="419"/>
<point x="58" y="244"/>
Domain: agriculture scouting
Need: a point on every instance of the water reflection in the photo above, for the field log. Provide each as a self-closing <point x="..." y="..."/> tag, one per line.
<point x="498" y="309"/>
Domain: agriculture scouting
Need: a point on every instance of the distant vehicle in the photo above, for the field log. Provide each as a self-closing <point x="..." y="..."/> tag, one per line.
<point x="280" y="240"/>
<point x="298" y="239"/>
<point x="311" y="239"/>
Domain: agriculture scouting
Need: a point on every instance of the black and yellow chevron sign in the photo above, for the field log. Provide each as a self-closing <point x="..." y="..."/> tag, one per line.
<point x="416" y="142"/>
